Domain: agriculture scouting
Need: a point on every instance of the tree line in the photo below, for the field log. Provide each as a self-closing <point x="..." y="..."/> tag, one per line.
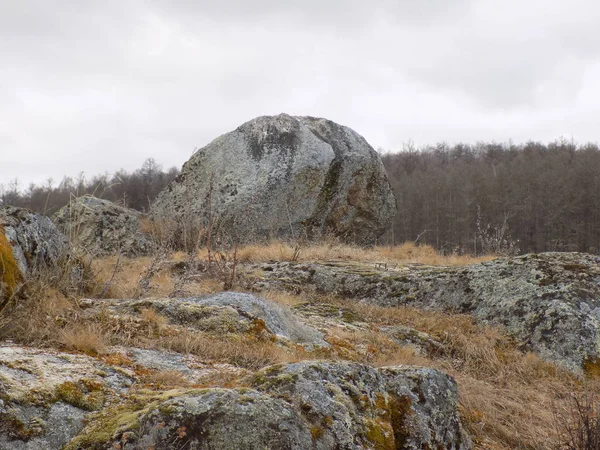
<point x="498" y="197"/>
<point x="461" y="198"/>
<point x="135" y="189"/>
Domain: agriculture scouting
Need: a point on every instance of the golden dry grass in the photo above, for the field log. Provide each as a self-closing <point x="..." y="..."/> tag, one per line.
<point x="153" y="320"/>
<point x="400" y="254"/>
<point x="125" y="281"/>
<point x="85" y="338"/>
<point x="249" y="354"/>
<point x="508" y="398"/>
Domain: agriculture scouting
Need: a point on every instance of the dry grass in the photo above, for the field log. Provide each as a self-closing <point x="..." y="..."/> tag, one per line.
<point x="85" y="338"/>
<point x="125" y="282"/>
<point x="285" y="298"/>
<point x="400" y="254"/>
<point x="507" y="397"/>
<point x="153" y="320"/>
<point x="246" y="353"/>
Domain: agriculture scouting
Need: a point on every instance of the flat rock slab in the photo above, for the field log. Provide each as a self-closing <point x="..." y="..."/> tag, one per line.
<point x="226" y="312"/>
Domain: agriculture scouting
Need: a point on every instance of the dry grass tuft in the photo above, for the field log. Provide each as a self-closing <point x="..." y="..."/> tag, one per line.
<point x="247" y="353"/>
<point x="153" y="320"/>
<point x="87" y="339"/>
<point x="285" y="298"/>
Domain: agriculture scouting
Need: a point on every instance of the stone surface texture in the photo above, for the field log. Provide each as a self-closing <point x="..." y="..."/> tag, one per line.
<point x="99" y="227"/>
<point x="284" y="176"/>
<point x="549" y="302"/>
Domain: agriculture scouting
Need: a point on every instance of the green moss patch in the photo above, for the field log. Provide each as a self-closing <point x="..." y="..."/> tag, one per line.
<point x="124" y="417"/>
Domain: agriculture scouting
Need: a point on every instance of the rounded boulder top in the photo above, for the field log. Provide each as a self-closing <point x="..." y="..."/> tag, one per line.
<point x="283" y="177"/>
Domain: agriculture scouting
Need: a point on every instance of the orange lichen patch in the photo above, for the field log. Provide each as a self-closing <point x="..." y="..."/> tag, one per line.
<point x="10" y="274"/>
<point x="117" y="359"/>
<point x="591" y="367"/>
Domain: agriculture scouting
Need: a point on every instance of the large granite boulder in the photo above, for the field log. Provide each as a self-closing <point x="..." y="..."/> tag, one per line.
<point x="28" y="242"/>
<point x="283" y="176"/>
<point x="312" y="404"/>
<point x="99" y="227"/>
<point x="549" y="302"/>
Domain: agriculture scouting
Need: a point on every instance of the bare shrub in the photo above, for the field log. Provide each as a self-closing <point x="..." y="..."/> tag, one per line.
<point x="496" y="239"/>
<point x="578" y="422"/>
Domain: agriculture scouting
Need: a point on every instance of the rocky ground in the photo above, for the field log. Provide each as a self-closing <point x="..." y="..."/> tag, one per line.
<point x="550" y="303"/>
<point x="133" y="397"/>
<point x="288" y="348"/>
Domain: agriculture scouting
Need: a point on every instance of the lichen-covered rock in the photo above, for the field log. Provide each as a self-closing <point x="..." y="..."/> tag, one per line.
<point x="46" y="395"/>
<point x="225" y="312"/>
<point x="99" y="227"/>
<point x="283" y="176"/>
<point x="354" y="406"/>
<point x="319" y="405"/>
<point x="278" y="319"/>
<point x="549" y="302"/>
<point x="223" y="419"/>
<point x="28" y="242"/>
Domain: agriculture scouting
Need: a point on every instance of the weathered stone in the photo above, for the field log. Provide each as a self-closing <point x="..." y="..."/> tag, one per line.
<point x="355" y="406"/>
<point x="319" y="405"/>
<point x="225" y="312"/>
<point x="28" y="242"/>
<point x="227" y="419"/>
<point x="283" y="176"/>
<point x="549" y="302"/>
<point x="99" y="227"/>
<point x="278" y="319"/>
<point x="46" y="395"/>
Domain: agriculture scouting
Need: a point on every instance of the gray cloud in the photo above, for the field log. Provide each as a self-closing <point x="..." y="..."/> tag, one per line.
<point x="95" y="86"/>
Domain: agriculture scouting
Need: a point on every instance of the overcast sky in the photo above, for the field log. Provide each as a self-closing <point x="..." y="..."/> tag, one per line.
<point x="95" y="86"/>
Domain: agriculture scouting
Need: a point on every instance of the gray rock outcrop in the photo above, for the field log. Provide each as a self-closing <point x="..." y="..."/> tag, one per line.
<point x="28" y="242"/>
<point x="225" y="312"/>
<point x="284" y="176"/>
<point x="319" y="405"/>
<point x="45" y="396"/>
<point x="549" y="302"/>
<point x="99" y="227"/>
